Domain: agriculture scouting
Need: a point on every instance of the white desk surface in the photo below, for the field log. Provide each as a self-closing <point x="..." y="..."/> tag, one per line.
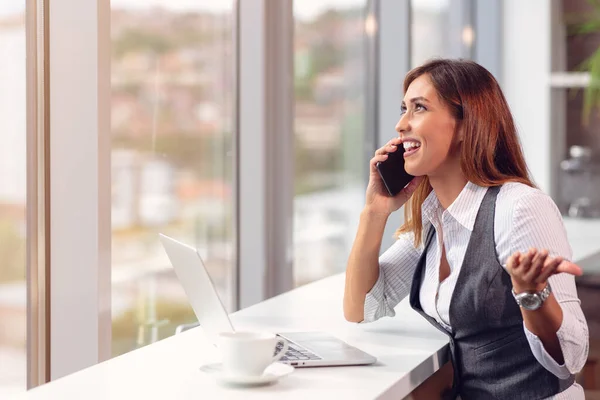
<point x="408" y="350"/>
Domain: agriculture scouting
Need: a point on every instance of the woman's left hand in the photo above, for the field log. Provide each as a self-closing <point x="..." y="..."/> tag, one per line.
<point x="530" y="271"/>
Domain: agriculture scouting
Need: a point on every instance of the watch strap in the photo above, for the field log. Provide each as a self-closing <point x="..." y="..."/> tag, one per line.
<point x="542" y="294"/>
<point x="545" y="292"/>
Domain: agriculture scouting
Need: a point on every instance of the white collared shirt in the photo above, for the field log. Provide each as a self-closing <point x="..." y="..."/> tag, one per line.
<point x="525" y="217"/>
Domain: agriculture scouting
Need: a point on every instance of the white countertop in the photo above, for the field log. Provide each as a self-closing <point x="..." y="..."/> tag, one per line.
<point x="408" y="350"/>
<point x="407" y="347"/>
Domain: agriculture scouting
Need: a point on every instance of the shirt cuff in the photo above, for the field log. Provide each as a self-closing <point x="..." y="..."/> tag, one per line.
<point x="574" y="349"/>
<point x="375" y="304"/>
<point x="540" y="353"/>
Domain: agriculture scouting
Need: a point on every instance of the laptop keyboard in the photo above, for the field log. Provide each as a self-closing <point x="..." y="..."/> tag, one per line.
<point x="296" y="353"/>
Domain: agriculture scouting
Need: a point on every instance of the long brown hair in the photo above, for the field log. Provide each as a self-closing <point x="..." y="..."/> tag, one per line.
<point x="491" y="154"/>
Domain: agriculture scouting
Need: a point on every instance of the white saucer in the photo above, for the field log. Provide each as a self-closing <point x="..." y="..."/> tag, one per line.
<point x="272" y="373"/>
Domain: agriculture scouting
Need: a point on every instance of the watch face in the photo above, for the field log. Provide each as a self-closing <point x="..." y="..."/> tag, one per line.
<point x="531" y="302"/>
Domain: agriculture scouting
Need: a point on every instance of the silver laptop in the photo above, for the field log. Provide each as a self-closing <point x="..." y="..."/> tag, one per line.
<point x="306" y="349"/>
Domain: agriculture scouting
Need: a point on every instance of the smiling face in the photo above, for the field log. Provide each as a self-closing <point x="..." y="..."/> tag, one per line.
<point x="427" y="129"/>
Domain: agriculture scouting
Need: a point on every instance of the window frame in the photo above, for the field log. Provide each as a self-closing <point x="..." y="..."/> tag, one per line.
<point x="393" y="60"/>
<point x="37" y="213"/>
<point x="76" y="207"/>
<point x="265" y="158"/>
<point x="79" y="258"/>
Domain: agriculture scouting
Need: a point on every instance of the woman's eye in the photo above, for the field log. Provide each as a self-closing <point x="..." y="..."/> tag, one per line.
<point x="417" y="107"/>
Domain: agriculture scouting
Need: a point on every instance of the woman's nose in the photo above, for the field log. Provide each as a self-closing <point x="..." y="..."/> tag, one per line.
<point x="403" y="124"/>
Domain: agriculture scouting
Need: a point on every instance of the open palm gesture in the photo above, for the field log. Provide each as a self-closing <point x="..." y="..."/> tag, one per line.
<point x="530" y="271"/>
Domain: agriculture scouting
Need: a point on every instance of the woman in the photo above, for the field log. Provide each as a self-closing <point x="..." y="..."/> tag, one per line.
<point x="482" y="254"/>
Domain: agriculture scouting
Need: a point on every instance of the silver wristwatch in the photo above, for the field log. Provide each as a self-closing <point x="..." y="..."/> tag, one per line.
<point x="532" y="301"/>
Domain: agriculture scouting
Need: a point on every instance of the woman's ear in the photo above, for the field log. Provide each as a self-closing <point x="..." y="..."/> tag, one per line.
<point x="459" y="132"/>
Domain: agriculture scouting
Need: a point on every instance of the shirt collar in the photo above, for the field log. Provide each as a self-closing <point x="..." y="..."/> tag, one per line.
<point x="464" y="208"/>
<point x="430" y="207"/>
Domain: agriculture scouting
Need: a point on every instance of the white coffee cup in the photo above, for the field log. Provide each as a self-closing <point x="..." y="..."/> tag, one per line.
<point x="249" y="353"/>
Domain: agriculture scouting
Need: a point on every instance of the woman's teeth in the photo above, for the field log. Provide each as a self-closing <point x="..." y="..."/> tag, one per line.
<point x="411" y="145"/>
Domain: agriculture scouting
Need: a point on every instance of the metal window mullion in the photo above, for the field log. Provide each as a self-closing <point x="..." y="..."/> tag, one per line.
<point x="38" y="315"/>
<point x="393" y="59"/>
<point x="488" y="35"/>
<point x="79" y="184"/>
<point x="264" y="149"/>
<point x="461" y="15"/>
<point x="280" y="160"/>
<point x="558" y="97"/>
<point x="371" y="137"/>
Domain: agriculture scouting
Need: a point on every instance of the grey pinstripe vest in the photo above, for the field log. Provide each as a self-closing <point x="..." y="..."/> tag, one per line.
<point x="488" y="347"/>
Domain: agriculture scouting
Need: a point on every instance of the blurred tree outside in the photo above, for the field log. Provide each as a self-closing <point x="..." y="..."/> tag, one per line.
<point x="352" y="147"/>
<point x="183" y="150"/>
<point x="322" y="51"/>
<point x="140" y="40"/>
<point x="309" y="167"/>
<point x="137" y="40"/>
<point x="125" y="327"/>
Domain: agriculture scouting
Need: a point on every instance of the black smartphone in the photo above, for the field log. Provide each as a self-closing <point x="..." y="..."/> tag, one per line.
<point x="392" y="172"/>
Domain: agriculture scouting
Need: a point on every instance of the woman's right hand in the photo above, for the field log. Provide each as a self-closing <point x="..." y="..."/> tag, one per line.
<point x="378" y="199"/>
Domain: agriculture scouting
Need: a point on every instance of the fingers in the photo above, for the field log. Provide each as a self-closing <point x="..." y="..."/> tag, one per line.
<point x="557" y="266"/>
<point x="535" y="267"/>
<point x="513" y="261"/>
<point x="525" y="262"/>
<point x="389" y="147"/>
<point x="569" y="268"/>
<point x="412" y="186"/>
<point x="376" y="159"/>
<point x="537" y="264"/>
<point x="381" y="154"/>
<point x="549" y="269"/>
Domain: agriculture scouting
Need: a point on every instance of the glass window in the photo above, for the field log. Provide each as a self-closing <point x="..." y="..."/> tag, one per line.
<point x="430" y="26"/>
<point x="13" y="175"/>
<point x="329" y="134"/>
<point x="172" y="120"/>
<point x="576" y="134"/>
<point x="575" y="144"/>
